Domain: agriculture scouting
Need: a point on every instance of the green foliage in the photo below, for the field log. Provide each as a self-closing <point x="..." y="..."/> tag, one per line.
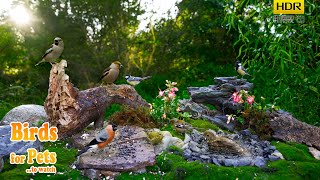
<point x="203" y="125"/>
<point x="282" y="57"/>
<point x="166" y="108"/>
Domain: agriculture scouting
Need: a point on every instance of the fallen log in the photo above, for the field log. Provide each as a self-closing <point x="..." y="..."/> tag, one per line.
<point x="71" y="110"/>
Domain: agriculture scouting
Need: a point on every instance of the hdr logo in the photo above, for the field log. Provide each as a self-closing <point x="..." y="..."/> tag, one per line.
<point x="288" y="6"/>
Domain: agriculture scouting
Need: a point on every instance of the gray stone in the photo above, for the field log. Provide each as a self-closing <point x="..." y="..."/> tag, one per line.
<point x="220" y="121"/>
<point x="194" y="147"/>
<point x="92" y="173"/>
<point x="259" y="161"/>
<point x="315" y="153"/>
<point x="187" y="153"/>
<point x="196" y="136"/>
<point x="31" y="113"/>
<point x="204" y="157"/>
<point x="129" y="151"/>
<point x="273" y="158"/>
<point x="246" y="161"/>
<point x="194" y="109"/>
<point x="231" y="162"/>
<point x="215" y="161"/>
<point x="19" y="147"/>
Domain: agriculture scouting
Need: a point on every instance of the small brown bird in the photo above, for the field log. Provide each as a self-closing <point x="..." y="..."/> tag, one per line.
<point x="111" y="73"/>
<point x="223" y="145"/>
<point x="102" y="139"/>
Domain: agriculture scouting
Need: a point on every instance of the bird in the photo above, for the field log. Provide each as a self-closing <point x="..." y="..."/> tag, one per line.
<point x="102" y="140"/>
<point x="132" y="80"/>
<point x="53" y="52"/>
<point x="223" y="145"/>
<point x="240" y="69"/>
<point x="111" y="73"/>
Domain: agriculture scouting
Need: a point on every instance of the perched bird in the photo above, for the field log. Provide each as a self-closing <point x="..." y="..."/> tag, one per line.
<point x="135" y="80"/>
<point x="223" y="145"/>
<point x="53" y="52"/>
<point x="102" y="139"/>
<point x="111" y="73"/>
<point x="240" y="69"/>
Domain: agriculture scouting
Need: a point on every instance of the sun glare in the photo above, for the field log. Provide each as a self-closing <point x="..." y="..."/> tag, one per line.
<point x="20" y="15"/>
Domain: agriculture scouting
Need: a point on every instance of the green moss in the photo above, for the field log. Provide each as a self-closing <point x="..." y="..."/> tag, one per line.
<point x="203" y="125"/>
<point x="294" y="151"/>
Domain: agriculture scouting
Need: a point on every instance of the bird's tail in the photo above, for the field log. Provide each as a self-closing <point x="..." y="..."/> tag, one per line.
<point x="147" y="77"/>
<point x="39" y="62"/>
<point x="83" y="150"/>
<point x="249" y="75"/>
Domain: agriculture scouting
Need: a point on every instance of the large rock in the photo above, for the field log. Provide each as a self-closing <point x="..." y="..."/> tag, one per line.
<point x="129" y="151"/>
<point x="287" y="128"/>
<point x="220" y="94"/>
<point x="7" y="146"/>
<point x="1" y="163"/>
<point x="25" y="113"/>
<point x="167" y="141"/>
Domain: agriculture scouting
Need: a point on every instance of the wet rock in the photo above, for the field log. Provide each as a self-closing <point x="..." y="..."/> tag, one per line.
<point x="33" y="114"/>
<point x="19" y="147"/>
<point x="315" y="153"/>
<point x="215" y="161"/>
<point x="220" y="121"/>
<point x="204" y="157"/>
<point x="278" y="154"/>
<point x="186" y="138"/>
<point x="246" y="161"/>
<point x="231" y="162"/>
<point x="129" y="151"/>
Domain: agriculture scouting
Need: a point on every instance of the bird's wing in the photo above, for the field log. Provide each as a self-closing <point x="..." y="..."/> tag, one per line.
<point x="105" y="73"/>
<point x="244" y="69"/>
<point x="48" y="51"/>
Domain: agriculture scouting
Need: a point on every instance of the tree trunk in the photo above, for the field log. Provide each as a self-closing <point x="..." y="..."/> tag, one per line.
<point x="71" y="110"/>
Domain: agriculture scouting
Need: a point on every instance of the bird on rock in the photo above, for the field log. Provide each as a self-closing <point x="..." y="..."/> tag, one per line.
<point x="102" y="140"/>
<point x="240" y="69"/>
<point x="54" y="52"/>
<point x="111" y="74"/>
<point x="132" y="80"/>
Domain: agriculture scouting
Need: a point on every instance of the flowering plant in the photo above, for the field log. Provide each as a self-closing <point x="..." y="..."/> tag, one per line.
<point x="166" y="105"/>
<point x="254" y="114"/>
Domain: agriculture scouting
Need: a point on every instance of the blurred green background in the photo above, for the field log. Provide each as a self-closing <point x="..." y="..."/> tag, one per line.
<point x="200" y="41"/>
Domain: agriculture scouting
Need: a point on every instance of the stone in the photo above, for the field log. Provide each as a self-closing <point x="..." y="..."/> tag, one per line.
<point x="35" y="115"/>
<point x="110" y="174"/>
<point x="273" y="158"/>
<point x="278" y="154"/>
<point x="220" y="95"/>
<point x="129" y="151"/>
<point x="287" y="128"/>
<point x="92" y="173"/>
<point x="215" y="161"/>
<point x="231" y="162"/>
<point x="315" y="153"/>
<point x="246" y="161"/>
<point x="194" y="147"/>
<point x="187" y="153"/>
<point x="259" y="161"/>
<point x="187" y="138"/>
<point x="220" y="121"/>
<point x="205" y="157"/>
<point x="194" y="109"/>
<point x="196" y="136"/>
<point x="168" y="141"/>
<point x="19" y="147"/>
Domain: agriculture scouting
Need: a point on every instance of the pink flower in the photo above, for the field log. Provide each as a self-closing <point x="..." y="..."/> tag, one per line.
<point x="174" y="83"/>
<point x="234" y="94"/>
<point x="161" y="93"/>
<point x="174" y="89"/>
<point x="250" y="100"/>
<point x="171" y="95"/>
<point x="238" y="99"/>
<point x="164" y="116"/>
